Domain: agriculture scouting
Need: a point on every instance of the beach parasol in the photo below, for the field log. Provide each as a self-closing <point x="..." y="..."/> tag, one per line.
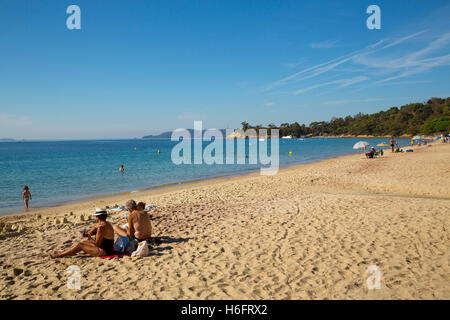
<point x="361" y="144"/>
<point x="383" y="144"/>
<point x="438" y="138"/>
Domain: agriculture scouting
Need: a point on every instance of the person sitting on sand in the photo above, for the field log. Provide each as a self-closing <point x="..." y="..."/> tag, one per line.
<point x="102" y="245"/>
<point x="371" y="153"/>
<point x="140" y="206"/>
<point x="139" y="225"/>
<point x="26" y="195"/>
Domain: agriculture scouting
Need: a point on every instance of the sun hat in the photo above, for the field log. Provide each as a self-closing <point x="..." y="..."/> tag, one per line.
<point x="99" y="211"/>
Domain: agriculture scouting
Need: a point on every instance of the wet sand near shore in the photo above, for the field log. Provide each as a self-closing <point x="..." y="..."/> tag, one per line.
<point x="309" y="232"/>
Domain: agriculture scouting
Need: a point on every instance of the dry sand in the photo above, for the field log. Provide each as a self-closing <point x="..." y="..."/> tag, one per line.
<point x="309" y="232"/>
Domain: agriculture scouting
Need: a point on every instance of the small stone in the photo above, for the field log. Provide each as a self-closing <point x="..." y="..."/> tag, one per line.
<point x="81" y="218"/>
<point x="71" y="213"/>
<point x="27" y="273"/>
<point x="57" y="221"/>
<point x="65" y="220"/>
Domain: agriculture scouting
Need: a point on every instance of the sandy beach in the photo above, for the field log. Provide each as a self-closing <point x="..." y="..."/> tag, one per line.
<point x="309" y="232"/>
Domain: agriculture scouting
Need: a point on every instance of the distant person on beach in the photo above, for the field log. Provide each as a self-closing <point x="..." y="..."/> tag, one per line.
<point x="102" y="245"/>
<point x="139" y="225"/>
<point x="121" y="168"/>
<point x="371" y="153"/>
<point x="26" y="195"/>
<point x="392" y="144"/>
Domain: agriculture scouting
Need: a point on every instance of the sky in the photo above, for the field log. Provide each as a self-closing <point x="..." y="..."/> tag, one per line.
<point x="143" y="67"/>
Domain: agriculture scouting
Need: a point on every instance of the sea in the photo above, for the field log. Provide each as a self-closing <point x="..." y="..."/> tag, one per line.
<point x="58" y="172"/>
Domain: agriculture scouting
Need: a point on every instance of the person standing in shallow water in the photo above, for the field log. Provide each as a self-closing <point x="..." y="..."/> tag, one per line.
<point x="392" y="144"/>
<point x="26" y="195"/>
<point x="121" y="169"/>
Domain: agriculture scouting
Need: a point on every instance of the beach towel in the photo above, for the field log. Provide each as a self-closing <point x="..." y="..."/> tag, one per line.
<point x="115" y="254"/>
<point x="121" y="208"/>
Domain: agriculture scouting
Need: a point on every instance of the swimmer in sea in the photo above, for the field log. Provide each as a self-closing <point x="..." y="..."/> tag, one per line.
<point x="121" y="168"/>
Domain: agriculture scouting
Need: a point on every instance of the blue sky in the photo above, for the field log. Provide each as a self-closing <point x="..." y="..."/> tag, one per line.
<point x="140" y="67"/>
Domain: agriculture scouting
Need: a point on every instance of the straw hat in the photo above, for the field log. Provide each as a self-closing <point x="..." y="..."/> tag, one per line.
<point x="99" y="211"/>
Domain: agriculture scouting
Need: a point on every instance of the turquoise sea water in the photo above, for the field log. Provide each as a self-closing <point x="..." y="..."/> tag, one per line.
<point x="60" y="171"/>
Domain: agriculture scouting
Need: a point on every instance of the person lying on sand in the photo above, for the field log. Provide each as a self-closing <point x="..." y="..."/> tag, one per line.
<point x="139" y="225"/>
<point x="102" y="245"/>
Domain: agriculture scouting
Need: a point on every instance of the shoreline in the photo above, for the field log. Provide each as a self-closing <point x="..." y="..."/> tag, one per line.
<point x="166" y="188"/>
<point x="87" y="198"/>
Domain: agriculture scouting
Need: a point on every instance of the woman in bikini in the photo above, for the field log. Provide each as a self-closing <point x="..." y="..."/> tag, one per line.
<point x="102" y="245"/>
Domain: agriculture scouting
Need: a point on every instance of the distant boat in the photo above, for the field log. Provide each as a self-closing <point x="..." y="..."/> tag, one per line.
<point x="286" y="137"/>
<point x="262" y="139"/>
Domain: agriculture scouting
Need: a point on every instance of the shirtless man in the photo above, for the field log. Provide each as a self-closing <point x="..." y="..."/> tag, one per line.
<point x="139" y="225"/>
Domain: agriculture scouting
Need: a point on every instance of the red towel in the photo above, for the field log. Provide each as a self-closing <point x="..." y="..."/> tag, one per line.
<point x="116" y="254"/>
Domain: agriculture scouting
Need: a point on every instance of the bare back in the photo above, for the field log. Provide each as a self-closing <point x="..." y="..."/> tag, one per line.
<point x="140" y="224"/>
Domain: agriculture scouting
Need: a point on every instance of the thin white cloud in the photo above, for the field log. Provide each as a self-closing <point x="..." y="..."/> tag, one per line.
<point x="424" y="66"/>
<point x="341" y="83"/>
<point x="403" y="39"/>
<point x="375" y="61"/>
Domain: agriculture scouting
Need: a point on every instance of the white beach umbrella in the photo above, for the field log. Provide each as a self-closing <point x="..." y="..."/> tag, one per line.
<point x="361" y="144"/>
